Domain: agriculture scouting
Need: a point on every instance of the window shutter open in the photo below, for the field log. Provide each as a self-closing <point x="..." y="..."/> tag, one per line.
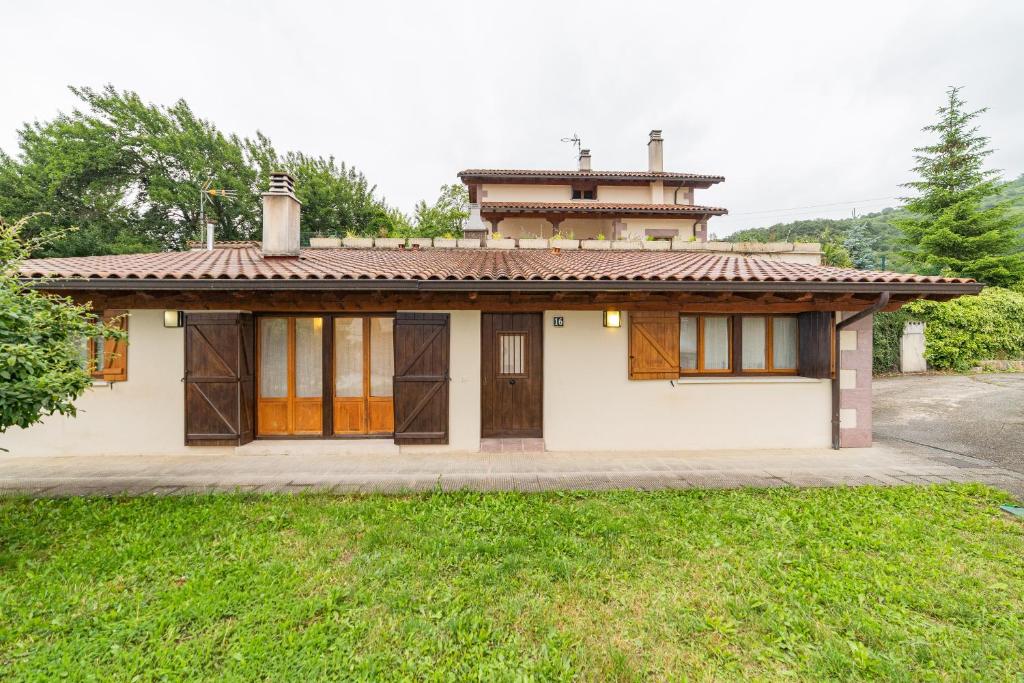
<point x="421" y="378"/>
<point x="653" y="345"/>
<point x="815" y="344"/>
<point x="115" y="351"/>
<point x="219" y="379"/>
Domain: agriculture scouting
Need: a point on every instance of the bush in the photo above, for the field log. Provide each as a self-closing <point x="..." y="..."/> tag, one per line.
<point x="888" y="331"/>
<point x="963" y="331"/>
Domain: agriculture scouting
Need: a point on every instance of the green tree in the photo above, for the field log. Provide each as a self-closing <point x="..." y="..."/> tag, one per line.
<point x="952" y="230"/>
<point x="42" y="366"/>
<point x="445" y="216"/>
<point x="858" y="244"/>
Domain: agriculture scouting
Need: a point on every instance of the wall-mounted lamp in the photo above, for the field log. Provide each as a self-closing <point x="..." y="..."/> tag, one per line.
<point x="612" y="319"/>
<point x="174" y="318"/>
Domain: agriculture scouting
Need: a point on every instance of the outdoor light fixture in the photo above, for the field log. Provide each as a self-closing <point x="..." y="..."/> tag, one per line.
<point x="612" y="319"/>
<point x="174" y="318"/>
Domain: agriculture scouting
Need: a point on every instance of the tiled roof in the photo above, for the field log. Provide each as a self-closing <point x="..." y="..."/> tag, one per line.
<point x="588" y="206"/>
<point x="590" y="175"/>
<point x="460" y="265"/>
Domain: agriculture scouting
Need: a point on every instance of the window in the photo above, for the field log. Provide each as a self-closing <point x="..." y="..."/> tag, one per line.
<point x="584" y="191"/>
<point x="705" y="344"/>
<point x="758" y="344"/>
<point x="107" y="359"/>
<point x="511" y="354"/>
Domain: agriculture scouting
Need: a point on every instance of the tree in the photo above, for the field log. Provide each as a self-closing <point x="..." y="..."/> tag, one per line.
<point x="859" y="245"/>
<point x="833" y="252"/>
<point x="42" y="366"/>
<point x="445" y="216"/>
<point x="949" y="230"/>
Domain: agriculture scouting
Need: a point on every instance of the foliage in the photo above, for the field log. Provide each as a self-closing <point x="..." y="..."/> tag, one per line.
<point x="834" y="253"/>
<point x="860" y="245"/>
<point x="948" y="231"/>
<point x="128" y="176"/>
<point x="887" y="336"/>
<point x="444" y="216"/>
<point x="961" y="332"/>
<point x="706" y="585"/>
<point x="42" y="368"/>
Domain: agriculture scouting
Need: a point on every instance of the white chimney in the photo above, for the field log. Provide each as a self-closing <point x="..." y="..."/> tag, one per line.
<point x="584" y="159"/>
<point x="655" y="153"/>
<point x="281" y="214"/>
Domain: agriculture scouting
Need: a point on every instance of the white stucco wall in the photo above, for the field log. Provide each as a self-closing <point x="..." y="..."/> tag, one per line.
<point x="516" y="192"/>
<point x="639" y="226"/>
<point x="144" y="415"/>
<point x="590" y="404"/>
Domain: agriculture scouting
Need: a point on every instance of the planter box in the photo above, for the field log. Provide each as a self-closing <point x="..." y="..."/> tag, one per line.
<point x="421" y="242"/>
<point x="627" y="244"/>
<point x="506" y="243"/>
<point x="656" y="245"/>
<point x="468" y="243"/>
<point x="389" y="242"/>
<point x="564" y="244"/>
<point x="533" y="243"/>
<point x="687" y="245"/>
<point x="358" y="242"/>
<point x="324" y="242"/>
<point x="445" y="242"/>
<point x="597" y="244"/>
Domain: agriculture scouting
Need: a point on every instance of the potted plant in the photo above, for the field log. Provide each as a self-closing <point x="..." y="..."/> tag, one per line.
<point x="651" y="244"/>
<point x="446" y="241"/>
<point x="498" y="241"/>
<point x="354" y="241"/>
<point x="469" y="242"/>
<point x="560" y="241"/>
<point x="686" y="243"/>
<point x="533" y="242"/>
<point x="597" y="243"/>
<point x="318" y="240"/>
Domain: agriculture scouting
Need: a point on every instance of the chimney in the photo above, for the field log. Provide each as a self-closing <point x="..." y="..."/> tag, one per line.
<point x="655" y="153"/>
<point x="584" y="159"/>
<point x="281" y="209"/>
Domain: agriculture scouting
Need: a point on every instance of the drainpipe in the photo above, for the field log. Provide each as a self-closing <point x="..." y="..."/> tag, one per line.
<point x="880" y="303"/>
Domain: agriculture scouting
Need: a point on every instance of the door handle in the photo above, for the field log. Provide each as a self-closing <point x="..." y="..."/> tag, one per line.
<point x="511" y="381"/>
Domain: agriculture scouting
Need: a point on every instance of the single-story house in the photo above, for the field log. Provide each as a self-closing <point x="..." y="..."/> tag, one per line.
<point x="251" y="346"/>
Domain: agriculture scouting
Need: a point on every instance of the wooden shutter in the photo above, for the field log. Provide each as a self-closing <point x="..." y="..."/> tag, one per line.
<point x="219" y="379"/>
<point x="653" y="345"/>
<point x="815" y="345"/>
<point x="115" y="351"/>
<point x="421" y="378"/>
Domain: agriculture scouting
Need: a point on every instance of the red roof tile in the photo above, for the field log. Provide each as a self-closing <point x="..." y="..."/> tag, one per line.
<point x="590" y="175"/>
<point x="459" y="264"/>
<point x="588" y="206"/>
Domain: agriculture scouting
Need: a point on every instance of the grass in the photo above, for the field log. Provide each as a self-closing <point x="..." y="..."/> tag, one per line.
<point x="865" y="583"/>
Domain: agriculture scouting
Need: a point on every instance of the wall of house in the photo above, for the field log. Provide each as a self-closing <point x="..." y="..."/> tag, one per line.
<point x="855" y="352"/>
<point x="144" y="415"/>
<point x="515" y="192"/>
<point x="682" y="227"/>
<point x="590" y="404"/>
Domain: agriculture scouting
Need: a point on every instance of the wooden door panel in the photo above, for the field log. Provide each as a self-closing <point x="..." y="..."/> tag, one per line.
<point x="308" y="416"/>
<point x="421" y="342"/>
<point x="512" y="382"/>
<point x="349" y="416"/>
<point x="382" y="415"/>
<point x="218" y="379"/>
<point x="273" y="416"/>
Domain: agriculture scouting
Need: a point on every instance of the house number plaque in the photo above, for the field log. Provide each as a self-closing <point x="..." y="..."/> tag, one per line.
<point x="558" y="321"/>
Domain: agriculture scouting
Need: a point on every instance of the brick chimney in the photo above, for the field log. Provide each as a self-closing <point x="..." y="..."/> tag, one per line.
<point x="584" y="159"/>
<point x="281" y="209"/>
<point x="655" y="153"/>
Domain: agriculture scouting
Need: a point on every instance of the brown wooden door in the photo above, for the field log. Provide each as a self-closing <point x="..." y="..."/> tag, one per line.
<point x="290" y="400"/>
<point x="512" y="375"/>
<point x="218" y="379"/>
<point x="421" y="378"/>
<point x="363" y="375"/>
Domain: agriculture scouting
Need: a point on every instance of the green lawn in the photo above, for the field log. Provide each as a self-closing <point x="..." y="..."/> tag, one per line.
<point x="866" y="583"/>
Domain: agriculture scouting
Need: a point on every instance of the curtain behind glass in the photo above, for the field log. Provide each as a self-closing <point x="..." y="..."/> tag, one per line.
<point x="274" y="357"/>
<point x="309" y="357"/>
<point x="688" y="342"/>
<point x="382" y="356"/>
<point x="753" y="331"/>
<point x="716" y="343"/>
<point x="784" y="336"/>
<point x="348" y="357"/>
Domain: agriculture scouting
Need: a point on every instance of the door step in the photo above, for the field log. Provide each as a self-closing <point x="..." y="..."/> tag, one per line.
<point x="512" y="445"/>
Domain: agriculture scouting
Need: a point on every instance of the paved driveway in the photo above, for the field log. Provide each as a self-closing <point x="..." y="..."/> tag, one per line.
<point x="975" y="416"/>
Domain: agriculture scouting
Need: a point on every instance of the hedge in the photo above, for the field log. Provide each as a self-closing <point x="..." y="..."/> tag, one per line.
<point x="888" y="331"/>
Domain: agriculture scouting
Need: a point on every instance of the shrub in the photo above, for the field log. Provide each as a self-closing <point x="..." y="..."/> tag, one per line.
<point x="888" y="331"/>
<point x="963" y="331"/>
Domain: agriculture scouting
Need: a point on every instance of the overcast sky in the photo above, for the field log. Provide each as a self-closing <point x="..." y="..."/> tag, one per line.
<point x="796" y="104"/>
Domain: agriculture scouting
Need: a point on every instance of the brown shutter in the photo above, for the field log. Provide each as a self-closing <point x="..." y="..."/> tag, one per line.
<point x="815" y="344"/>
<point x="421" y="378"/>
<point x="219" y="379"/>
<point x="115" y="351"/>
<point x="653" y="345"/>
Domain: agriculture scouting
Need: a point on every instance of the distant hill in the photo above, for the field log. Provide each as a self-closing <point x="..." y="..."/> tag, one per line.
<point x="884" y="235"/>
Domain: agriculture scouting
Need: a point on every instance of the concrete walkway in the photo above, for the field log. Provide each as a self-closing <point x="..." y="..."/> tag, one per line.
<point x="885" y="464"/>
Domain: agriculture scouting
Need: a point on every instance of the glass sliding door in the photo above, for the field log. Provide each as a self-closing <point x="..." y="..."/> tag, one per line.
<point x="363" y="374"/>
<point x="290" y="397"/>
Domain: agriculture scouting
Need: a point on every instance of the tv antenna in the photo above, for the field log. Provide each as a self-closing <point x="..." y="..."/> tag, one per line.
<point x="208" y="191"/>
<point x="575" y="141"/>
